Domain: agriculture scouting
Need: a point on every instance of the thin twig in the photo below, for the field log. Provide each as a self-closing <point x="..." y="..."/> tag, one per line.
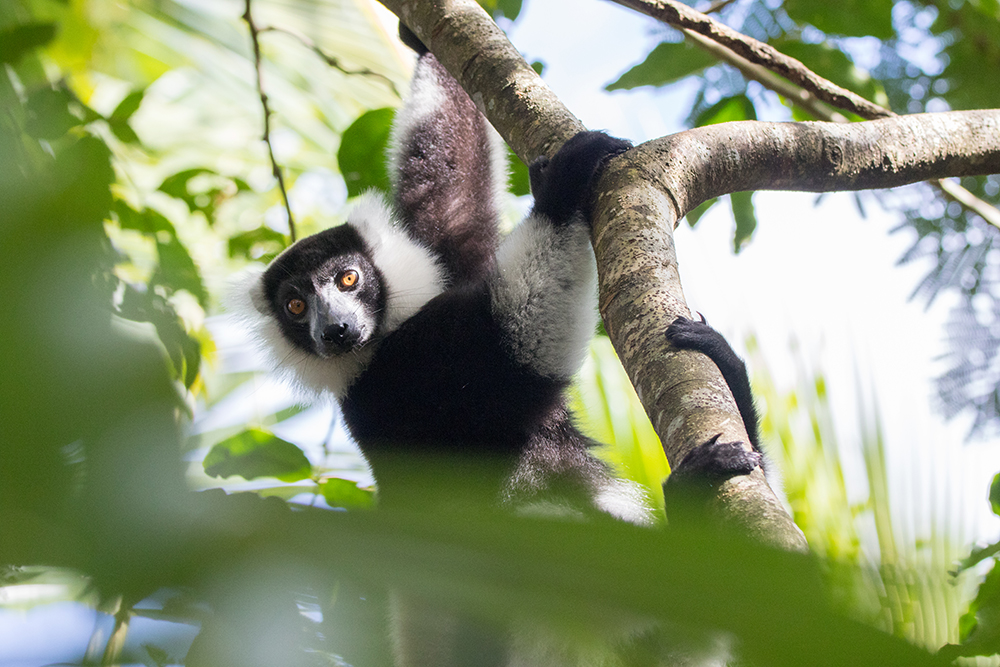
<point x="332" y="61"/>
<point x="760" y="61"/>
<point x="716" y="7"/>
<point x="275" y="168"/>
<point x="682" y="16"/>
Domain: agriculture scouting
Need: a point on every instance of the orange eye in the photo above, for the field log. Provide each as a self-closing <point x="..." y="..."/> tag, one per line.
<point x="348" y="279"/>
<point x="296" y="306"/>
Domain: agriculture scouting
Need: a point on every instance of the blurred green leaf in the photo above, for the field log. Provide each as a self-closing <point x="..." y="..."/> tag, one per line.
<point x="981" y="625"/>
<point x="261" y="244"/>
<point x="256" y="453"/>
<point x="855" y="18"/>
<point x="148" y="221"/>
<point x="128" y="106"/>
<point x="361" y="157"/>
<point x="347" y="494"/>
<point x="177" y="271"/>
<point x="17" y="41"/>
<point x="694" y="215"/>
<point x="178" y="186"/>
<point x="995" y="495"/>
<point x="518" y="181"/>
<point x="831" y="63"/>
<point x="48" y="113"/>
<point x="509" y="9"/>
<point x="183" y="350"/>
<point x="667" y="63"/>
<point x="746" y="219"/>
<point x="738" y="107"/>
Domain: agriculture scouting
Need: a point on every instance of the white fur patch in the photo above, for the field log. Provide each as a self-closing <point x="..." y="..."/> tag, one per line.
<point x="627" y="501"/>
<point x="545" y="295"/>
<point x="411" y="276"/>
<point x="411" y="273"/>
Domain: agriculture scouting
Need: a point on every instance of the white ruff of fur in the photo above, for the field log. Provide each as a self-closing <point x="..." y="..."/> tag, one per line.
<point x="545" y="295"/>
<point x="411" y="277"/>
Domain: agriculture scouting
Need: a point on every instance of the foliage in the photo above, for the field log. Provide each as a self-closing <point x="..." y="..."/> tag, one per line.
<point x="134" y="183"/>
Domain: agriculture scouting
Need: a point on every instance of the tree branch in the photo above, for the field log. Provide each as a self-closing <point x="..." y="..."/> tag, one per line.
<point x="275" y="168"/>
<point x="646" y="191"/>
<point x="682" y="16"/>
<point x="758" y="61"/>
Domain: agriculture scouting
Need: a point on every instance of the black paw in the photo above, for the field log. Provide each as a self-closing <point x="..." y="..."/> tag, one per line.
<point x="691" y="483"/>
<point x="713" y="462"/>
<point x="685" y="334"/>
<point x="562" y="184"/>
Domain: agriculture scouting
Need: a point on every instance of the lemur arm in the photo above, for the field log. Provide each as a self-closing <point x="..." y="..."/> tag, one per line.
<point x="448" y="168"/>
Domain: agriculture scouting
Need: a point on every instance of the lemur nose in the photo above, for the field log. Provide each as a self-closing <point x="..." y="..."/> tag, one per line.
<point x="335" y="333"/>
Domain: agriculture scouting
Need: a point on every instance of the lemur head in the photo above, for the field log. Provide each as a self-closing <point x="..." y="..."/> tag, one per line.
<point x="320" y="307"/>
<point x="325" y="293"/>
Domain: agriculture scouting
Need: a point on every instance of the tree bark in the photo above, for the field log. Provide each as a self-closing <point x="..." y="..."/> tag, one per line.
<point x="645" y="192"/>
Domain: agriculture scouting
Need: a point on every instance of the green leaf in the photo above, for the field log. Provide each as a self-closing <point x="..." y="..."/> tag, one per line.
<point x="256" y="453"/>
<point x="147" y="221"/>
<point x="17" y="41"/>
<point x="261" y="244"/>
<point x="509" y="9"/>
<point x="738" y="107"/>
<point x="694" y="215"/>
<point x="518" y="182"/>
<point x="746" y="219"/>
<point x="347" y="494"/>
<point x="667" y="63"/>
<point x="995" y="495"/>
<point x="124" y="132"/>
<point x="127" y="106"/>
<point x="855" y="18"/>
<point x="361" y="157"/>
<point x="178" y="271"/>
<point x="178" y="186"/>
<point x="183" y="350"/>
<point x="48" y="113"/>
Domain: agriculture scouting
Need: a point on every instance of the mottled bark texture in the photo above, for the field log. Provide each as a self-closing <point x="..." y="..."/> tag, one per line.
<point x="644" y="192"/>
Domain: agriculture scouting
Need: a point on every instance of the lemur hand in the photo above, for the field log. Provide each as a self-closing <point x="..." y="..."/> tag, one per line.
<point x="562" y="185"/>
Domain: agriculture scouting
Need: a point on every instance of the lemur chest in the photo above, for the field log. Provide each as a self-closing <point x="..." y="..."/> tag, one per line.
<point x="444" y="381"/>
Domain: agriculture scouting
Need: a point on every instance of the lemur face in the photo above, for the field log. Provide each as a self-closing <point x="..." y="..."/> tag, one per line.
<point x="326" y="294"/>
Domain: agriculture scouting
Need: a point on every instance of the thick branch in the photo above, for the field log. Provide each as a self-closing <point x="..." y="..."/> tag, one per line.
<point x="823" y="157"/>
<point x="759" y="62"/>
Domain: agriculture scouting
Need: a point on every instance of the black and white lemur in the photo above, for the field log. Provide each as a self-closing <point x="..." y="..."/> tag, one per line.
<point x="442" y="343"/>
